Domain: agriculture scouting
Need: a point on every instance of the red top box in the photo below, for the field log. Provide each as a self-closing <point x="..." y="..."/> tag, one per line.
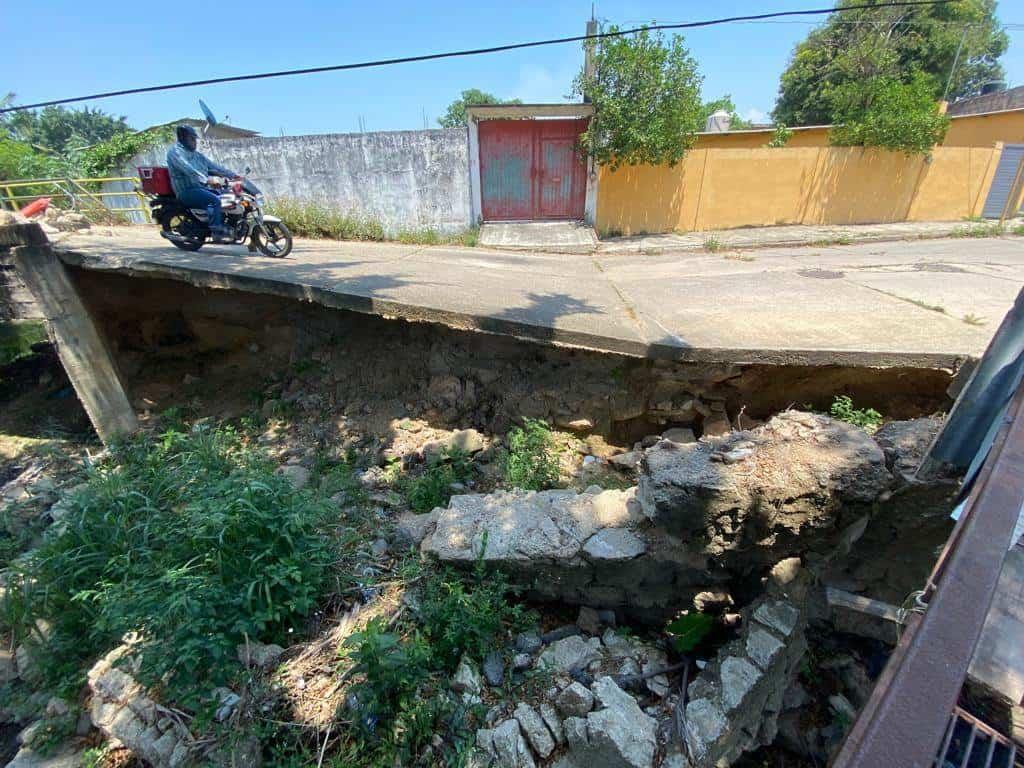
<point x="155" y="180"/>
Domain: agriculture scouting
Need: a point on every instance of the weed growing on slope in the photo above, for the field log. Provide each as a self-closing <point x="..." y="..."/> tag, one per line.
<point x="867" y="418"/>
<point x="712" y="244"/>
<point x="995" y="229"/>
<point x="531" y="461"/>
<point x="433" y="488"/>
<point x="189" y="539"/>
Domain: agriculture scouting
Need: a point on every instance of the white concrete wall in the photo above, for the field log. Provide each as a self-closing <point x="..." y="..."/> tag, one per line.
<point x="404" y="179"/>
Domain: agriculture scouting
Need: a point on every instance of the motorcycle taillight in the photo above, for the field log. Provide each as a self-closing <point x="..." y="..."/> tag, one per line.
<point x="236" y="187"/>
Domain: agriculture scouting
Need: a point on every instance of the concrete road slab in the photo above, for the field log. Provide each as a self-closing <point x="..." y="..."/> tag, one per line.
<point x="864" y="304"/>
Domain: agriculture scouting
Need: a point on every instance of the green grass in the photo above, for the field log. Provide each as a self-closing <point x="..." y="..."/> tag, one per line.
<point x="17" y="338"/>
<point x="1018" y="230"/>
<point x="836" y="240"/>
<point x="843" y="409"/>
<point x="190" y="538"/>
<point x="531" y="460"/>
<point x="713" y="244"/>
<point x="321" y="222"/>
<point x="995" y="229"/>
<point x="432" y="488"/>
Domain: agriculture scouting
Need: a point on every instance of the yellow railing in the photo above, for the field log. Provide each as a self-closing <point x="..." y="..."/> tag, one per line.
<point x="74" y="191"/>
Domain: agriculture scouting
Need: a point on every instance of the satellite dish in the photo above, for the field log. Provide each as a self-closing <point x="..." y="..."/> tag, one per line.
<point x="208" y="113"/>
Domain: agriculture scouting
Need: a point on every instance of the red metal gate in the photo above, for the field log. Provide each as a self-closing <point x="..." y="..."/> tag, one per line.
<point x="530" y="169"/>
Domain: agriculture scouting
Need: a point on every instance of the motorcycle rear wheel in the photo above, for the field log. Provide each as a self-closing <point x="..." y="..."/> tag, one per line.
<point x="274" y="239"/>
<point x="180" y="225"/>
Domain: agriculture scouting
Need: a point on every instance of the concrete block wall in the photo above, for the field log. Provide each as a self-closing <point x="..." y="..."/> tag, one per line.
<point x="404" y="179"/>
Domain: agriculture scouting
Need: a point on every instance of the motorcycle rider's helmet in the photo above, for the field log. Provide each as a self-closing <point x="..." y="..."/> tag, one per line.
<point x="187" y="136"/>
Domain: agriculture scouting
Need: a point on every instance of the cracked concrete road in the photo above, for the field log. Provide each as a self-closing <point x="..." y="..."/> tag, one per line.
<point x="916" y="303"/>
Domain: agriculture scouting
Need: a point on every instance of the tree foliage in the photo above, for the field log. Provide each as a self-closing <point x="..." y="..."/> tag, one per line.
<point x="58" y="130"/>
<point x="646" y="96"/>
<point x="856" y="47"/>
<point x="455" y="116"/>
<point x="890" y="114"/>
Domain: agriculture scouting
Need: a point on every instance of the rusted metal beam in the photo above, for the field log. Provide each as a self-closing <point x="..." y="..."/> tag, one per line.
<point x="904" y="722"/>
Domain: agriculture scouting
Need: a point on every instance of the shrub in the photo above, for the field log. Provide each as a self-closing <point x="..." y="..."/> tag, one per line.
<point x="433" y="488"/>
<point x="191" y="540"/>
<point x="531" y="461"/>
<point x="866" y="418"/>
<point x="318" y="221"/>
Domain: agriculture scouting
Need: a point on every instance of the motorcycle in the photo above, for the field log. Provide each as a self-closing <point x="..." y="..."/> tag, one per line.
<point x="242" y="211"/>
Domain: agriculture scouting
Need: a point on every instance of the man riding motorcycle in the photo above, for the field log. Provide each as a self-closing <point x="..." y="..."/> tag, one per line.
<point x="190" y="176"/>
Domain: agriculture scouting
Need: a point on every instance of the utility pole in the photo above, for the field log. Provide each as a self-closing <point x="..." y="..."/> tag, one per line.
<point x="588" y="53"/>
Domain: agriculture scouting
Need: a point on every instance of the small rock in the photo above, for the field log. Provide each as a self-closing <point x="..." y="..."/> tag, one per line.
<point x="739" y="677"/>
<point x="467" y="682"/>
<point x="588" y="620"/>
<point x="649" y="441"/>
<point x="467" y="441"/>
<point x="258" y="655"/>
<point x="227" y="700"/>
<point x="510" y="747"/>
<point x="626" y="461"/>
<point x="411" y="529"/>
<point x="8" y="667"/>
<point x="553" y="722"/>
<point x="680" y="435"/>
<point x="567" y="630"/>
<point x="574" y="701"/>
<point x="379" y="548"/>
<point x="580" y="425"/>
<point x="782" y="617"/>
<point x="762" y="647"/>
<point x="716" y="424"/>
<point x="494" y="669"/>
<point x="522" y="661"/>
<point x="570" y="653"/>
<point x="528" y="642"/>
<point x="712" y="601"/>
<point x="56" y="707"/>
<point x="842" y="707"/>
<point x="297" y="473"/>
<point x="536" y="731"/>
<point x="614" y="544"/>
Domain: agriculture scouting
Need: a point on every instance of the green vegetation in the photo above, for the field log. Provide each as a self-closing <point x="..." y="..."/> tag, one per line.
<point x="531" y="460"/>
<point x="401" y="695"/>
<point x="646" y="97"/>
<point x="867" y="418"/>
<point x="191" y="540"/>
<point x="1019" y="229"/>
<point x="433" y="488"/>
<point x="712" y="244"/>
<point x="991" y="229"/>
<point x="17" y="338"/>
<point x="781" y="136"/>
<point x="855" y="47"/>
<point x="306" y="218"/>
<point x="889" y="113"/>
<point x="455" y="115"/>
<point x="689" y="629"/>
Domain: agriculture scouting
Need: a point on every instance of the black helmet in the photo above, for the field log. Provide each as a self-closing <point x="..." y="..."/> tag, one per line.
<point x="186" y="130"/>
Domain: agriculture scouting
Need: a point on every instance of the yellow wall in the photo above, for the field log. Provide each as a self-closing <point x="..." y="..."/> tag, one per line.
<point x="724" y="188"/>
<point x="965" y="131"/>
<point x="986" y="130"/>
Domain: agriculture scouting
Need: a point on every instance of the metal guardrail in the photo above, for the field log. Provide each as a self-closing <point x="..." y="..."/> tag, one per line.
<point x="75" y="191"/>
<point x="907" y="721"/>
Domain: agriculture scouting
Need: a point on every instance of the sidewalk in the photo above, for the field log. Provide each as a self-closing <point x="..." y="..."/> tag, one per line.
<point x="799" y="235"/>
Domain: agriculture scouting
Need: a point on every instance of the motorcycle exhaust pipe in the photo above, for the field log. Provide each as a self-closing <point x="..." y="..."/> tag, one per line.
<point x="174" y="237"/>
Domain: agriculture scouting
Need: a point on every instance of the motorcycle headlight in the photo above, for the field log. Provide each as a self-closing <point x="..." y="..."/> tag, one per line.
<point x="261" y="200"/>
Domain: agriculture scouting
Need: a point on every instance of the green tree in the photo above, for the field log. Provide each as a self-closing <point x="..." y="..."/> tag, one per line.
<point x="646" y="96"/>
<point x="892" y="42"/>
<point x="889" y="113"/>
<point x="58" y="130"/>
<point x="455" y="116"/>
<point x="736" y="123"/>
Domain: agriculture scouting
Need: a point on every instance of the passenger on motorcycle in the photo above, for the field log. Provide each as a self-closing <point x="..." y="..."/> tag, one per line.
<point x="190" y="176"/>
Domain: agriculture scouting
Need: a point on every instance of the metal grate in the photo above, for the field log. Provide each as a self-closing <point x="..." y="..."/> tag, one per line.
<point x="970" y="743"/>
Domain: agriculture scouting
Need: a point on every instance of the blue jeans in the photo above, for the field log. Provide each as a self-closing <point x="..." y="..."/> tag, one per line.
<point x="200" y="197"/>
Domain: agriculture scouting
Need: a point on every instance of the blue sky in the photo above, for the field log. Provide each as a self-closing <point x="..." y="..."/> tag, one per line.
<point x="66" y="47"/>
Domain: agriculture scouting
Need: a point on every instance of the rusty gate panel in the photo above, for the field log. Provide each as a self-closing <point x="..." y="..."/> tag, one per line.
<point x="562" y="172"/>
<point x="530" y="169"/>
<point x="506" y="169"/>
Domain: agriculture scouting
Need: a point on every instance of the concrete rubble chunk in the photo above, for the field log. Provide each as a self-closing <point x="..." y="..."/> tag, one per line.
<point x="619" y="734"/>
<point x="589" y="620"/>
<point x="259" y="655"/>
<point x="779" y="616"/>
<point x="526" y="525"/>
<point x="570" y="654"/>
<point x="680" y="435"/>
<point x="762" y="647"/>
<point x="705" y="725"/>
<point x="510" y="748"/>
<point x="411" y="529"/>
<point x="536" y="731"/>
<point x="905" y="443"/>
<point x="779" y="484"/>
<point x="575" y="700"/>
<point x="738" y="677"/>
<point x="614" y="544"/>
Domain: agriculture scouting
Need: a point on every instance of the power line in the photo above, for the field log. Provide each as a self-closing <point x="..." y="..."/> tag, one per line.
<point x="470" y="52"/>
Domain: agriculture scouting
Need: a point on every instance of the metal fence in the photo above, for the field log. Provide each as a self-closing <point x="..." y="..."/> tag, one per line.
<point x="80" y="194"/>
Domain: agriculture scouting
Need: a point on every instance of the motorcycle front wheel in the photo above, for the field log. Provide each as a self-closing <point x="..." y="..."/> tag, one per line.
<point x="273" y="239"/>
